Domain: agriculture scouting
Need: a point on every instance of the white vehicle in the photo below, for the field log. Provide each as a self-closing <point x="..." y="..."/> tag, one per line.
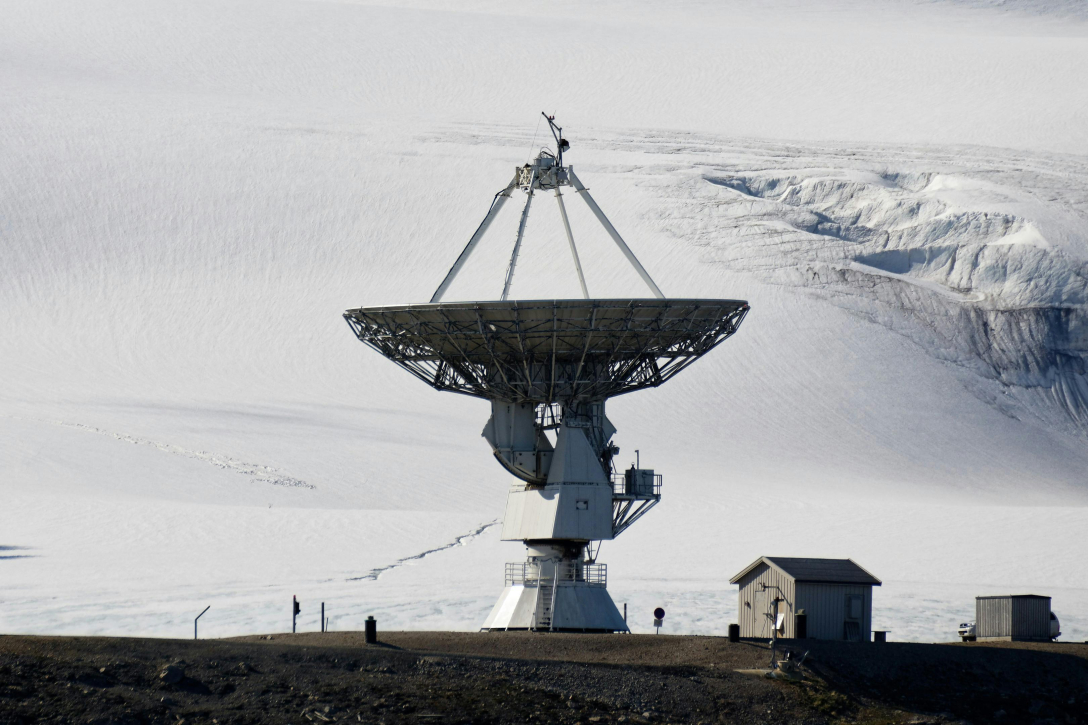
<point x="967" y="629"/>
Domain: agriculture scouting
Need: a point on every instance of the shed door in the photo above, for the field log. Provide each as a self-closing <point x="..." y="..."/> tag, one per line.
<point x="851" y="628"/>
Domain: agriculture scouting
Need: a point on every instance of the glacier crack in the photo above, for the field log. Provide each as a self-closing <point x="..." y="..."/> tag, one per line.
<point x="462" y="540"/>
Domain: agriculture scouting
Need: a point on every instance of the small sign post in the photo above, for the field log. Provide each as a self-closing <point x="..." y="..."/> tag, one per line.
<point x="659" y="619"/>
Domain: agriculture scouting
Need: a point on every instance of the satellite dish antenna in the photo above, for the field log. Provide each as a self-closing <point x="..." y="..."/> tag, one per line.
<point x="548" y="366"/>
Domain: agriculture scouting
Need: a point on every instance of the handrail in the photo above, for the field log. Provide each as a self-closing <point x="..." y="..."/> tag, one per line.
<point x="528" y="573"/>
<point x="624" y="487"/>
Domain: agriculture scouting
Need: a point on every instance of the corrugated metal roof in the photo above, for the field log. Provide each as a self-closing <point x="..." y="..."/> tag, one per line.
<point x="804" y="569"/>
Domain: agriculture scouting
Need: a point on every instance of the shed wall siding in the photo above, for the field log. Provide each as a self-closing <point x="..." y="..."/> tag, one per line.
<point x="825" y="607"/>
<point x="1031" y="618"/>
<point x="993" y="617"/>
<point x="1012" y="618"/>
<point x="754" y="611"/>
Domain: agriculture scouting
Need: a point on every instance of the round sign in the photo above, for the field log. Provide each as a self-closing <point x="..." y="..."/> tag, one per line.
<point x="659" y="613"/>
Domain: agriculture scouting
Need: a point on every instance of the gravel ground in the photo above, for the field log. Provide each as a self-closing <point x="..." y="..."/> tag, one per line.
<point x="447" y="677"/>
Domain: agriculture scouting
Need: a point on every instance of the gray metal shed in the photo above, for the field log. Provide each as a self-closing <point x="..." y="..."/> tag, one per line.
<point x="818" y="598"/>
<point x="1013" y="618"/>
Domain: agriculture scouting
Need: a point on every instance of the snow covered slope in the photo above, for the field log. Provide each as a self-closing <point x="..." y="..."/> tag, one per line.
<point x="191" y="194"/>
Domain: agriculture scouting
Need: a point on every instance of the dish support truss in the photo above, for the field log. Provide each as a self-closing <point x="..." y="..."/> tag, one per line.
<point x="548" y="350"/>
<point x="545" y="173"/>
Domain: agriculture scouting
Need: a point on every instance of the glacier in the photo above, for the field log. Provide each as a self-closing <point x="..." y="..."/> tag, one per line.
<point x="191" y="194"/>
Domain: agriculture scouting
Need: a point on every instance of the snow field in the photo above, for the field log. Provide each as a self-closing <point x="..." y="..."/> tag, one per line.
<point x="191" y="195"/>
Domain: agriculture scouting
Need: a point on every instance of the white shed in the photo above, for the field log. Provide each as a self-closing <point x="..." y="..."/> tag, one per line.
<point x="816" y="599"/>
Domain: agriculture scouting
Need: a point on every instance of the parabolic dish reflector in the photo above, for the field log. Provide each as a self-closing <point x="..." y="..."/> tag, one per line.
<point x="542" y="351"/>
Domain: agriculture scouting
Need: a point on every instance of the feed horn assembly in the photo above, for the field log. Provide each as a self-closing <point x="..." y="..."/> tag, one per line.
<point x="548" y="367"/>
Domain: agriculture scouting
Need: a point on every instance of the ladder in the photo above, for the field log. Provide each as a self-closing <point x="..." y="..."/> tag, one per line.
<point x="544" y="605"/>
<point x="545" y="601"/>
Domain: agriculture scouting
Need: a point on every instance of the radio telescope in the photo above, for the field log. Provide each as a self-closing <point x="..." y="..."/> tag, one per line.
<point x="548" y="366"/>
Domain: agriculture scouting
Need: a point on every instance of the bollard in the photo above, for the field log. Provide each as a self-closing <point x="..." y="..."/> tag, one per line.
<point x="734" y="633"/>
<point x="371" y="630"/>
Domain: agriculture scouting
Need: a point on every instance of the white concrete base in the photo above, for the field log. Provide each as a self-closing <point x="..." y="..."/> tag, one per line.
<point x="578" y="608"/>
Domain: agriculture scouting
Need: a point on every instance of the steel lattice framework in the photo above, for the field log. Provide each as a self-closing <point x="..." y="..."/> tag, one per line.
<point x="548" y="350"/>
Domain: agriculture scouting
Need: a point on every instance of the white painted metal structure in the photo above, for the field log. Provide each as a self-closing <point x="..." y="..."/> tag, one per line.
<point x="548" y="366"/>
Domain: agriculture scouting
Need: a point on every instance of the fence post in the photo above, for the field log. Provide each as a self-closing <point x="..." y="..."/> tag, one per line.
<point x="197" y="618"/>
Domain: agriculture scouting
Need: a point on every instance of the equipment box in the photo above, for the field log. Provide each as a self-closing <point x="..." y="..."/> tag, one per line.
<point x="638" y="482"/>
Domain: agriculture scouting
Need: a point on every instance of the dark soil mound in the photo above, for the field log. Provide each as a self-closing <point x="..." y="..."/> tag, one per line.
<point x="444" y="677"/>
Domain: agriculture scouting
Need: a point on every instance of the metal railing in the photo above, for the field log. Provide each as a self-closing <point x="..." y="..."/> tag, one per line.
<point x="635" y="487"/>
<point x="528" y="573"/>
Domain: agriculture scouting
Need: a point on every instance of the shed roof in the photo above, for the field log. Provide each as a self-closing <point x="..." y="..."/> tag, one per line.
<point x="1014" y="596"/>
<point x="804" y="569"/>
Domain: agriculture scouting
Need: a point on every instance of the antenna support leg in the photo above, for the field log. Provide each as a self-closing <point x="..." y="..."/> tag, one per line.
<point x="496" y="205"/>
<point x="573" y="249"/>
<point x="517" y="244"/>
<point x="614" y="234"/>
